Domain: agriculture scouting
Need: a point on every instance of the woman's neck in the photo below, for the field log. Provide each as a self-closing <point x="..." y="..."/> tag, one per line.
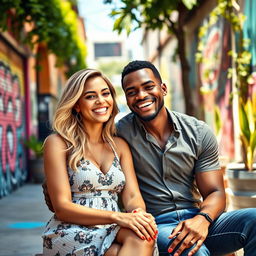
<point x="94" y="133"/>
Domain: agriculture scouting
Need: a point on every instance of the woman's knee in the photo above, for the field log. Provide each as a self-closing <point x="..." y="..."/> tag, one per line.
<point x="128" y="236"/>
<point x="113" y="250"/>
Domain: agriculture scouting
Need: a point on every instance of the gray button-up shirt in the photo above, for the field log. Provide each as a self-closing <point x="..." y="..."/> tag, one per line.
<point x="167" y="177"/>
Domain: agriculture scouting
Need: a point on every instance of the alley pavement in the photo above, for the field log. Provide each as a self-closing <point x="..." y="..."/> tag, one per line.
<point x="23" y="215"/>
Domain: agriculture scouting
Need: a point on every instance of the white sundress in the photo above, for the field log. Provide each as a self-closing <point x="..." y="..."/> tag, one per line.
<point x="91" y="188"/>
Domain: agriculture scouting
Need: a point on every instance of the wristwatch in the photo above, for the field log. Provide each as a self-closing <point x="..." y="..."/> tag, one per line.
<point x="206" y="216"/>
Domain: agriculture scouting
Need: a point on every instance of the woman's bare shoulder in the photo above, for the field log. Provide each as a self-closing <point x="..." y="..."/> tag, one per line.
<point x="55" y="140"/>
<point x="121" y="145"/>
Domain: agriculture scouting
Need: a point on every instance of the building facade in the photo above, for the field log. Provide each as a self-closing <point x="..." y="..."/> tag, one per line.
<point x="30" y="84"/>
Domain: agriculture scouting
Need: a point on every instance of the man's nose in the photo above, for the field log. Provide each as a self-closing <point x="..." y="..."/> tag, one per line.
<point x="141" y="94"/>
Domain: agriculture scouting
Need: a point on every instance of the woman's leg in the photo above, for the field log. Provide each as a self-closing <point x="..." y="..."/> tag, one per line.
<point x="113" y="250"/>
<point x="132" y="245"/>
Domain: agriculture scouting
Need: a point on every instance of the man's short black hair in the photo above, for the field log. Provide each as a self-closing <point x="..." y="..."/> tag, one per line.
<point x="140" y="64"/>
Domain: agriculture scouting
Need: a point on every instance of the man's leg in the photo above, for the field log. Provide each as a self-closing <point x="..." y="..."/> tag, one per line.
<point x="166" y="223"/>
<point x="232" y="231"/>
<point x="163" y="243"/>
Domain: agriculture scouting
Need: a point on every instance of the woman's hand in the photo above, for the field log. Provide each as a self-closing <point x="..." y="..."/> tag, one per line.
<point x="141" y="222"/>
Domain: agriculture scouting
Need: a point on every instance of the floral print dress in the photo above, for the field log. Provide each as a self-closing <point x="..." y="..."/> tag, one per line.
<point x="91" y="188"/>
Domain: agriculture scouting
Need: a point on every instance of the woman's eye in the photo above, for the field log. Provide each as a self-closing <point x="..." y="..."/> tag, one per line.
<point x="89" y="97"/>
<point x="105" y="94"/>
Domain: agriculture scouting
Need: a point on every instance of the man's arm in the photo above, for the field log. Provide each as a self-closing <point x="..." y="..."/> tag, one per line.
<point x="211" y="187"/>
<point x="195" y="230"/>
<point x="209" y="181"/>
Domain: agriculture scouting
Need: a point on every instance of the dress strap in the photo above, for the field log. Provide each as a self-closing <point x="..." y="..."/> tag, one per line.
<point x="113" y="149"/>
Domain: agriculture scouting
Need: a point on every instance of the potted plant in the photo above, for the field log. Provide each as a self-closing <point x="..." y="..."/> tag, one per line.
<point x="241" y="175"/>
<point x="35" y="162"/>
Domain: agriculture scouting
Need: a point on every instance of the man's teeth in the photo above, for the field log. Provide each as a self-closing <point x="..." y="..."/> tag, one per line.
<point x="145" y="104"/>
<point x="100" y="110"/>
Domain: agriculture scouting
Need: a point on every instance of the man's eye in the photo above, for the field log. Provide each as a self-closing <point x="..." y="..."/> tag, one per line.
<point x="150" y="87"/>
<point x="130" y="93"/>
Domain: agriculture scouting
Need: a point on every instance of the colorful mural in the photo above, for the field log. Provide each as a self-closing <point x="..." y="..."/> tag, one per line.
<point x="12" y="126"/>
<point x="216" y="87"/>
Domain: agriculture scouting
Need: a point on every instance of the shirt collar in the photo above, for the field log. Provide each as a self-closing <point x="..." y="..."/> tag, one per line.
<point x="171" y="115"/>
<point x="176" y="124"/>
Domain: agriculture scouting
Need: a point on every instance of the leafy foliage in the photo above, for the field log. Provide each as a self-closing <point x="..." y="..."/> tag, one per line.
<point x="155" y="14"/>
<point x="52" y="22"/>
<point x="35" y="146"/>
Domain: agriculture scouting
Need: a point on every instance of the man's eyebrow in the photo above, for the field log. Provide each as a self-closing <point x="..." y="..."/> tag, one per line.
<point x="148" y="82"/>
<point x="104" y="89"/>
<point x="144" y="83"/>
<point x="129" y="88"/>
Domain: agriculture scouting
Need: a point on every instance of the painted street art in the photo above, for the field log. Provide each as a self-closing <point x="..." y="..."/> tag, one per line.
<point x="216" y="87"/>
<point x="12" y="128"/>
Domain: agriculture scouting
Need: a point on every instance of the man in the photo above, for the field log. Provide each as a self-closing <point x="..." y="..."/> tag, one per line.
<point x="176" y="162"/>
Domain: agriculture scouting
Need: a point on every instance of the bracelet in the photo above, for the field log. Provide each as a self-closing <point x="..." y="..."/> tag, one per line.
<point x="206" y="216"/>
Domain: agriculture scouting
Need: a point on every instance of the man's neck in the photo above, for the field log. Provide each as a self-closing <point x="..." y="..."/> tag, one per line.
<point x="160" y="127"/>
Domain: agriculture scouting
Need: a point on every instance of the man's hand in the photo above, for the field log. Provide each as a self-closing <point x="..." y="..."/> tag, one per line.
<point x="187" y="234"/>
<point x="47" y="197"/>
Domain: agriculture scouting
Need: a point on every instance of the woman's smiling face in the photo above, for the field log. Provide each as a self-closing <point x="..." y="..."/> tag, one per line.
<point x="96" y="103"/>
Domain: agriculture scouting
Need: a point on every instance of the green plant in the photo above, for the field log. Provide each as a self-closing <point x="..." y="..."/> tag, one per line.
<point x="156" y="14"/>
<point x="35" y="146"/>
<point x="53" y="22"/>
<point x="247" y="119"/>
<point x="240" y="72"/>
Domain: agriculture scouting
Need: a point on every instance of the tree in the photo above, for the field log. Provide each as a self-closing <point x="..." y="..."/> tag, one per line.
<point x="51" y="22"/>
<point x="155" y="14"/>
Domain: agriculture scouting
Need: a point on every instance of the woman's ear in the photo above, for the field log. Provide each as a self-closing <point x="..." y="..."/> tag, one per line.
<point x="77" y="108"/>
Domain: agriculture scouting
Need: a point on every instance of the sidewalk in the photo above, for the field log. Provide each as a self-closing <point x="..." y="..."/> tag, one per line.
<point x="23" y="215"/>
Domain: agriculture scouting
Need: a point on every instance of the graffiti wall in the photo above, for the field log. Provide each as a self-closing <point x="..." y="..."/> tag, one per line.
<point x="216" y="87"/>
<point x="12" y="121"/>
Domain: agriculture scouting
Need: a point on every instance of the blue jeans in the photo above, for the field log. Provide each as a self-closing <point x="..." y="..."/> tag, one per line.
<point x="230" y="232"/>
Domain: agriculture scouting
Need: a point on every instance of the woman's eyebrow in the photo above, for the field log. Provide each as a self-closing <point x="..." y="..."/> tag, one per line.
<point x="104" y="89"/>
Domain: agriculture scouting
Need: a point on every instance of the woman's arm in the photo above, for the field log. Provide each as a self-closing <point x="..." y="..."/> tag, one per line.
<point x="55" y="167"/>
<point x="131" y="196"/>
<point x="60" y="194"/>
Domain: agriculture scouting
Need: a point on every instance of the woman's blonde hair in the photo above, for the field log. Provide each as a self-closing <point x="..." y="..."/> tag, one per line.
<point x="67" y="122"/>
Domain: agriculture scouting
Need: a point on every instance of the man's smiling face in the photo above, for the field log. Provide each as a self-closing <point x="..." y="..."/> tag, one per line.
<point x="144" y="93"/>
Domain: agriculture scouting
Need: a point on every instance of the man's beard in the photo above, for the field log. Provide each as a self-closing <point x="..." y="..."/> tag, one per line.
<point x="151" y="117"/>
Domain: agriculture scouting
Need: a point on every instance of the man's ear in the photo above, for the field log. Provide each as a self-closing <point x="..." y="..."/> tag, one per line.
<point x="164" y="88"/>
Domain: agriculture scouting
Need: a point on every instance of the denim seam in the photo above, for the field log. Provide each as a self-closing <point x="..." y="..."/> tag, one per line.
<point x="227" y="233"/>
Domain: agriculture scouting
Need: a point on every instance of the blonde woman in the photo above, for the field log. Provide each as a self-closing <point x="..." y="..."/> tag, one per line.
<point x="86" y="167"/>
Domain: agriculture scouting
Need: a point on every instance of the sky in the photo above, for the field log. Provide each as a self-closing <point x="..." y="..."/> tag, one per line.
<point x="99" y="23"/>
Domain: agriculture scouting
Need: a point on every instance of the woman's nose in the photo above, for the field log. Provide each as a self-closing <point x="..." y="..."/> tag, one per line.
<point x="99" y="100"/>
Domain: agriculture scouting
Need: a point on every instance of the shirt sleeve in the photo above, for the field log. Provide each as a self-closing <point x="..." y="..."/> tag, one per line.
<point x="208" y="157"/>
